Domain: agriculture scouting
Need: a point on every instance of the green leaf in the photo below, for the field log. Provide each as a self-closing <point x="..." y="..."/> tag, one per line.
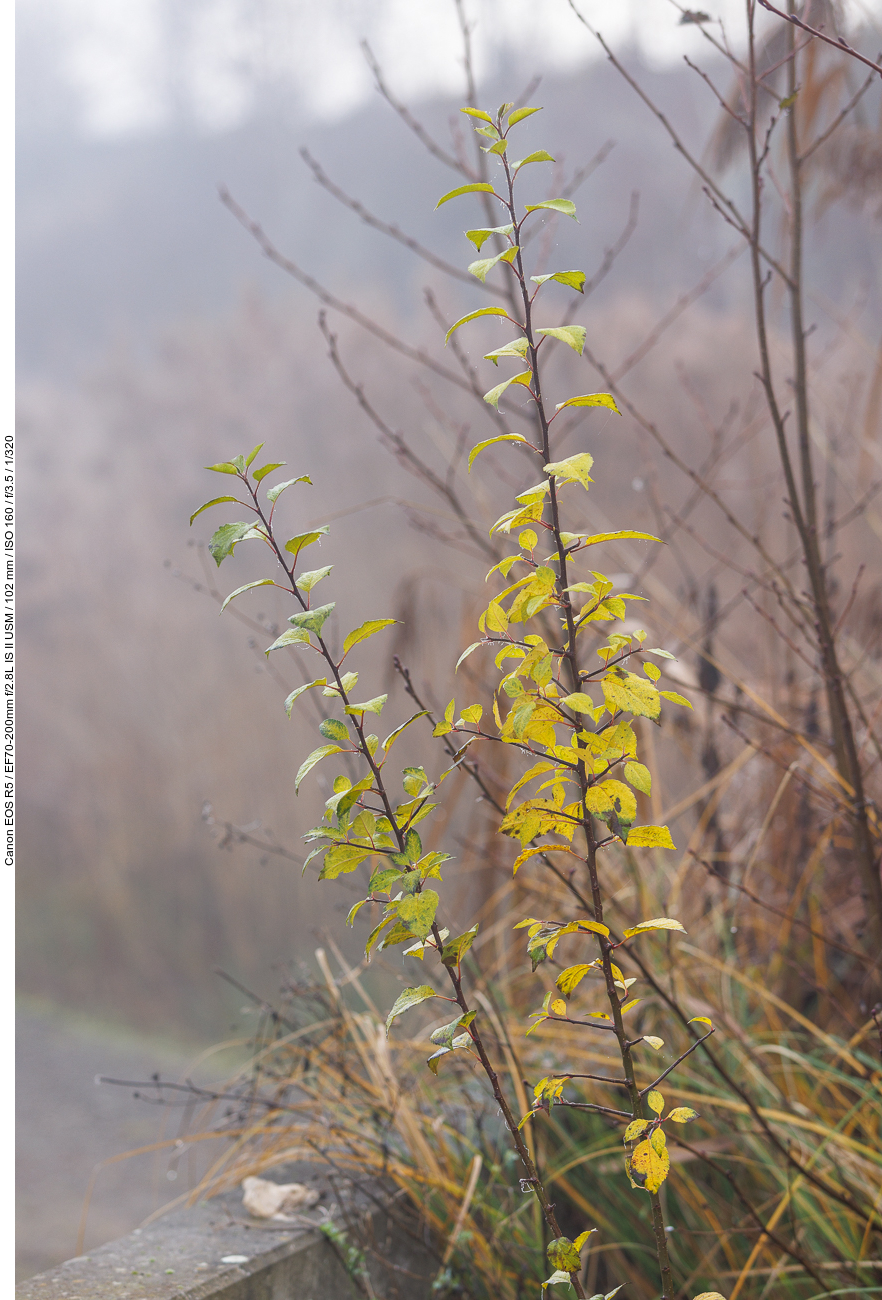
<point x="409" y="998"/>
<point x="566" y="206"/>
<point x="307" y="581"/>
<point x="273" y="493"/>
<point x="347" y="681"/>
<point x="501" y="437"/>
<point x="312" y="620"/>
<point x="393" y="735"/>
<point x="658" y="923"/>
<point x="323" y="751"/>
<point x="639" y="776"/>
<point x="648" y="837"/>
<point x="418" y="912"/>
<point x="295" y="545"/>
<point x="517" y="348"/>
<point x="675" y="698"/>
<point x="499" y="147"/>
<point x="573" y="279"/>
<point x="225" y="540"/>
<point x="266" y="469"/>
<point x="591" y="399"/>
<point x="216" y="502"/>
<point x="485" y="264"/>
<point x="575" y="469"/>
<point x="480" y="237"/>
<point x="473" y="315"/>
<point x="563" y="1255"/>
<point x="224" y="467"/>
<point x="479" y="187"/>
<point x="495" y="393"/>
<point x="289" y="703"/>
<point x="333" y="729"/>
<point x="370" y="706"/>
<point x="520" y="113"/>
<point x="367" y="629"/>
<point x="341" y="859"/>
<point x="261" y="582"/>
<point x="572" y="335"/>
<point x="251" y="455"/>
<point x="539" y="156"/>
<point x="455" y="949"/>
<point x="294" y="636"/>
<point x="485" y="117"/>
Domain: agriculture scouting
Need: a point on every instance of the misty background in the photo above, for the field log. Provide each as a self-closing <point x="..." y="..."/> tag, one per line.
<point x="155" y="339"/>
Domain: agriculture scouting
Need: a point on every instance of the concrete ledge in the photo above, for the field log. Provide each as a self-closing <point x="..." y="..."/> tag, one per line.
<point x="217" y="1250"/>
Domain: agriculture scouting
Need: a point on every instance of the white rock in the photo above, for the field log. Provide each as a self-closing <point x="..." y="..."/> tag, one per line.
<point x="268" y="1200"/>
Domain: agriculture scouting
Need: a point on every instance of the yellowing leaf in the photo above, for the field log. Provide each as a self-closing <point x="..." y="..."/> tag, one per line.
<point x="566" y="206"/>
<point x="485" y="264"/>
<point x="655" y="1101"/>
<point x="579" y="703"/>
<point x="570" y="978"/>
<point x="682" y="1114"/>
<point x="710" y="1295"/>
<point x="583" y="1237"/>
<point x="367" y="629"/>
<point x="573" y="335"/>
<point x="573" y="279"/>
<point x="653" y="1041"/>
<point x="635" y="1128"/>
<point x="649" y="837"/>
<point x="520" y="113"/>
<point x="502" y="437"/>
<point x="477" y="187"/>
<point x="492" y="398"/>
<point x="563" y="1255"/>
<point x="597" y="801"/>
<point x="409" y="998"/>
<point x="478" y="112"/>
<point x="261" y="582"/>
<point x="621" y="799"/>
<point x="632" y="694"/>
<point x="648" y="1167"/>
<point x="320" y="681"/>
<point x="559" y="1007"/>
<point x="591" y="399"/>
<point x="658" y="923"/>
<point x="473" y="315"/>
<point x="575" y="469"/>
<point x="639" y="776"/>
<point x="675" y="698"/>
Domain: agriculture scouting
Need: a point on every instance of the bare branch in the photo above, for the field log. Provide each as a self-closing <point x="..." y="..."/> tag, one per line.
<point x="839" y="43"/>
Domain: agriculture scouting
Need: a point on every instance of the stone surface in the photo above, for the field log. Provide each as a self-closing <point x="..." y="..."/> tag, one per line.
<point x="216" y="1249"/>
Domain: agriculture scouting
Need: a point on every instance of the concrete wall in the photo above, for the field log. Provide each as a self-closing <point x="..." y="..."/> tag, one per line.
<point x="217" y="1250"/>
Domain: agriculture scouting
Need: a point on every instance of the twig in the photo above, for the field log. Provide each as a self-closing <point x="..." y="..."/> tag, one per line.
<point x="838" y="44"/>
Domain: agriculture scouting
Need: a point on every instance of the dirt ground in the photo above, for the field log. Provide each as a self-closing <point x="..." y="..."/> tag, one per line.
<point x="66" y="1124"/>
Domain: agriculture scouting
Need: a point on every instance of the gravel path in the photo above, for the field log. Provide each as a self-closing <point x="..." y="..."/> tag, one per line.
<point x="66" y="1124"/>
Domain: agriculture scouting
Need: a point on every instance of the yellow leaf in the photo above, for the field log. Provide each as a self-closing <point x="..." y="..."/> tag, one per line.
<point x="653" y="1041"/>
<point x="682" y="1114"/>
<point x="675" y="698"/>
<point x="582" y="1238"/>
<point x="648" y="1167"/>
<point x="710" y="1295"/>
<point x="629" y="1005"/>
<point x="559" y="1007"/>
<point x="597" y="801"/>
<point x="648" y="837"/>
<point x="570" y="978"/>
<point x="635" y="1128"/>
<point x="631" y="693"/>
<point x="659" y="923"/>
<point x="655" y="1101"/>
<point x="622" y="799"/>
<point x="573" y="470"/>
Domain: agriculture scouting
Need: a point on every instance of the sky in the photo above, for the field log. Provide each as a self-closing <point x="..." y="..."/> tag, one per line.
<point x="135" y="65"/>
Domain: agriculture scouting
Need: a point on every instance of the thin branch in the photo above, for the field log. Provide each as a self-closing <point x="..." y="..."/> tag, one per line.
<point x="410" y="121"/>
<point x="839" y="43"/>
<point x="346" y="309"/>
<point x="394" y="232"/>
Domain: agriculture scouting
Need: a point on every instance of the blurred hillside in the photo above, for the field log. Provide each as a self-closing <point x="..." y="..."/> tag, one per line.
<point x="155" y="339"/>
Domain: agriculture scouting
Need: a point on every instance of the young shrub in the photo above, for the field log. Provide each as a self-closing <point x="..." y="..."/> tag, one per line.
<point x="569" y="687"/>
